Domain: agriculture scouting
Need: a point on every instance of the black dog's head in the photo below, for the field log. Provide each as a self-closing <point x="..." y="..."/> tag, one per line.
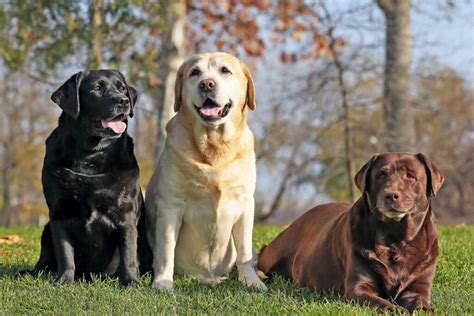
<point x="99" y="100"/>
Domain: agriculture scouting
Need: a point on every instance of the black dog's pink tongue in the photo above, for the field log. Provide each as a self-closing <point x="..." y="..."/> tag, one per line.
<point x="117" y="126"/>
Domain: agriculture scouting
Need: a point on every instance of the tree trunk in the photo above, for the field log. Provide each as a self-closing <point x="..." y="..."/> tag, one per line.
<point x="10" y="119"/>
<point x="348" y="148"/>
<point x="399" y="120"/>
<point x="289" y="171"/>
<point x="275" y="205"/>
<point x="6" y="214"/>
<point x="97" y="15"/>
<point x="170" y="58"/>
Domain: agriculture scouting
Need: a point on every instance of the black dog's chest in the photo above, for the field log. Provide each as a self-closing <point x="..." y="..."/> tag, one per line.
<point x="99" y="198"/>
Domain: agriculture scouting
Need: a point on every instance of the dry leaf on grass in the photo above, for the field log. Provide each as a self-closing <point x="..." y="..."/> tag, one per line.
<point x="4" y="251"/>
<point x="10" y="239"/>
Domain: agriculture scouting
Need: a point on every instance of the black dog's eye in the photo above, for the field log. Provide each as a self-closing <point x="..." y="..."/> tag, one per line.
<point x="225" y="70"/>
<point x="97" y="88"/>
<point x="195" y="72"/>
<point x="122" y="89"/>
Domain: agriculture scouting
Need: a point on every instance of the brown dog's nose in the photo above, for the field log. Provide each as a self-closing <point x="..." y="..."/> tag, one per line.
<point x="392" y="196"/>
<point x="207" y="85"/>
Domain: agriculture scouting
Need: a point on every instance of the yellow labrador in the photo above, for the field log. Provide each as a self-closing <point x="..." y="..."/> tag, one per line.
<point x="199" y="203"/>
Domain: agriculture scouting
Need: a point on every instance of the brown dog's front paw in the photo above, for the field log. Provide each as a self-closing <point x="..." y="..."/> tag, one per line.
<point x="428" y="309"/>
<point x="395" y="310"/>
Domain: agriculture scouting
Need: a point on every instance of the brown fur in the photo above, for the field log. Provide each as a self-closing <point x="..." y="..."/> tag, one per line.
<point x="357" y="250"/>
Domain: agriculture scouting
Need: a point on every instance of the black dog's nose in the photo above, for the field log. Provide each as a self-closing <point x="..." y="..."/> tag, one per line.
<point x="392" y="196"/>
<point x="124" y="101"/>
<point x="207" y="85"/>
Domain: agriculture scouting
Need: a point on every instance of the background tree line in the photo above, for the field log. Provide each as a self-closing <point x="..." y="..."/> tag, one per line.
<point x="335" y="84"/>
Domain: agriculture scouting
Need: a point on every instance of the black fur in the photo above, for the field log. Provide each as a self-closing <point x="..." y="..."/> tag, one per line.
<point x="90" y="182"/>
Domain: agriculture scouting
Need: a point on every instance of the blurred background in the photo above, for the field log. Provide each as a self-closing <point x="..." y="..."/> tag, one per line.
<point x="336" y="80"/>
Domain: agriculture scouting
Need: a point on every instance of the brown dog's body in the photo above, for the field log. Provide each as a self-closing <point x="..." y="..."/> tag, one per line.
<point x="378" y="252"/>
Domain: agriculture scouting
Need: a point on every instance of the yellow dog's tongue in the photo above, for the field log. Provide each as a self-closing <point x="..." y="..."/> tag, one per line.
<point x="214" y="111"/>
<point x="117" y="126"/>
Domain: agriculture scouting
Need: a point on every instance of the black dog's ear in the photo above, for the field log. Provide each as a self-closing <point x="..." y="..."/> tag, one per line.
<point x="132" y="96"/>
<point x="435" y="177"/>
<point x="361" y="179"/>
<point x="67" y="96"/>
<point x="131" y="93"/>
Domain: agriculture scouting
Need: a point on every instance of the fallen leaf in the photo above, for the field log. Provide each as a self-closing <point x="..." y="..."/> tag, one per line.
<point x="10" y="239"/>
<point x="4" y="251"/>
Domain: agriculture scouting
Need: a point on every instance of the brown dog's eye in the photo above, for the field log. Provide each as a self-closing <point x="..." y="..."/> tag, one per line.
<point x="225" y="70"/>
<point x="195" y="72"/>
<point x="410" y="175"/>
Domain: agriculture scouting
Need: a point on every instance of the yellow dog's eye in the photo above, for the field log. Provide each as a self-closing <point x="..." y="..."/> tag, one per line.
<point x="225" y="70"/>
<point x="195" y="72"/>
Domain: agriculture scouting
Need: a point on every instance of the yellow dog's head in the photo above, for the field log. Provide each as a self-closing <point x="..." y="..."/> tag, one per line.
<point x="214" y="87"/>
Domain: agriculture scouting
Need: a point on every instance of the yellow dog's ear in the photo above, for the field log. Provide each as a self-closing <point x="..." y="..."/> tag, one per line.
<point x="178" y="88"/>
<point x="250" y="87"/>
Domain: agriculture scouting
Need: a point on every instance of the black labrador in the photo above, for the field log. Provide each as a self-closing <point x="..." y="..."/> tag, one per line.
<point x="90" y="182"/>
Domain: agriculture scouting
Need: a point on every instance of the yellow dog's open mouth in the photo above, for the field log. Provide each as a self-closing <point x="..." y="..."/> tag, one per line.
<point x="210" y="111"/>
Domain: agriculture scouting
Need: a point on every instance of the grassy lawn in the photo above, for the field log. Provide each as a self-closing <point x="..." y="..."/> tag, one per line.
<point x="453" y="290"/>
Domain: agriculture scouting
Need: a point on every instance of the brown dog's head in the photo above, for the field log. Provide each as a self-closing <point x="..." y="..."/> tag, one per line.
<point x="214" y="87"/>
<point x="398" y="184"/>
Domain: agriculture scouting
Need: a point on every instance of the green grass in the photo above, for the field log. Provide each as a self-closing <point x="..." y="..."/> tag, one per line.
<point x="453" y="290"/>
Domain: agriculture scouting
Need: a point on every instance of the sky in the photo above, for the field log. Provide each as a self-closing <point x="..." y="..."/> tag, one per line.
<point x="440" y="31"/>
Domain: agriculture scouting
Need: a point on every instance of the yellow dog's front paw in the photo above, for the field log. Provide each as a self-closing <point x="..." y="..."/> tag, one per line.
<point x="253" y="281"/>
<point x="162" y="285"/>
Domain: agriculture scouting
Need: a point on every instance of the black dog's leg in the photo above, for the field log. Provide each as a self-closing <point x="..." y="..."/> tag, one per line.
<point x="128" y="254"/>
<point x="46" y="261"/>
<point x="145" y="255"/>
<point x="64" y="253"/>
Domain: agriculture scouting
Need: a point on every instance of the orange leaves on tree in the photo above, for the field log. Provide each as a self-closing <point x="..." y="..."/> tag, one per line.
<point x="248" y="26"/>
<point x="154" y="81"/>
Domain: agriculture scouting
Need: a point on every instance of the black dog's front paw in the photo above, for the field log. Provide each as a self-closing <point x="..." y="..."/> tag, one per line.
<point x="32" y="272"/>
<point x="129" y="281"/>
<point x="66" y="277"/>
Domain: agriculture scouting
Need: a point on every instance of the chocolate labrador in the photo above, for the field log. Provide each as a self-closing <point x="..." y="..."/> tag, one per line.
<point x="381" y="251"/>
<point x="90" y="182"/>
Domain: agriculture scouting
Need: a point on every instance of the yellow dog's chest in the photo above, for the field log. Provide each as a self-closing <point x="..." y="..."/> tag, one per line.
<point x="218" y="184"/>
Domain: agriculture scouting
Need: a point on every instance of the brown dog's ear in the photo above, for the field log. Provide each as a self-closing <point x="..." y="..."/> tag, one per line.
<point x="250" y="100"/>
<point x="131" y="93"/>
<point x="361" y="179"/>
<point x="67" y="96"/>
<point x="178" y="88"/>
<point x="435" y="177"/>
